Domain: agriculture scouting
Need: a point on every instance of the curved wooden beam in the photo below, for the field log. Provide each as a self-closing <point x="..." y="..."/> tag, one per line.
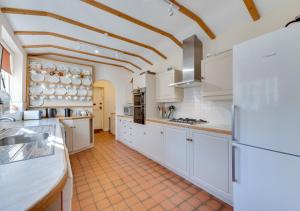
<point x="80" y="40"/>
<point x="187" y="12"/>
<point x="79" y="58"/>
<point x="81" y="52"/>
<point x="252" y="9"/>
<point x="79" y="24"/>
<point x="132" y="20"/>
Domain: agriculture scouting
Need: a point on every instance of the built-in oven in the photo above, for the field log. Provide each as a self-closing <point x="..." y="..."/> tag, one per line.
<point x="139" y="105"/>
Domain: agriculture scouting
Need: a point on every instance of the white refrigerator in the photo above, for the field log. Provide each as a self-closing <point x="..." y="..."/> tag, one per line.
<point x="266" y="122"/>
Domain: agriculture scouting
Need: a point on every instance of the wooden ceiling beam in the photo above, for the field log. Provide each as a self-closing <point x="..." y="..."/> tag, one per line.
<point x="81" y="41"/>
<point x="252" y="9"/>
<point x="79" y="24"/>
<point x="132" y="20"/>
<point x="79" y="58"/>
<point x="187" y="12"/>
<point x="81" y="52"/>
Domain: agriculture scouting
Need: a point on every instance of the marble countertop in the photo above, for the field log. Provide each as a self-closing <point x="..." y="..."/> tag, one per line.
<point x="24" y="183"/>
<point x="209" y="127"/>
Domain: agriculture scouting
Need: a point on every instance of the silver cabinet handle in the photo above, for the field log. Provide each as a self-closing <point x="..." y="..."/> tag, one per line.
<point x="161" y="132"/>
<point x="234" y="108"/>
<point x="234" y="149"/>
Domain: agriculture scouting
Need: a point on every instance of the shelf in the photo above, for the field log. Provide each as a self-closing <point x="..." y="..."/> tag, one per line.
<point x="48" y="71"/>
<point x="59" y="83"/>
<point x="65" y="106"/>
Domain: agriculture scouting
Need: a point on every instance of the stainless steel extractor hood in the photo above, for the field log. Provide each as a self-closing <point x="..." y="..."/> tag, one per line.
<point x="192" y="56"/>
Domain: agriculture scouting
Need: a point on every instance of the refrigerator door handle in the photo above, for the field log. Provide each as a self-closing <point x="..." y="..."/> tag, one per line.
<point x="234" y="108"/>
<point x="234" y="149"/>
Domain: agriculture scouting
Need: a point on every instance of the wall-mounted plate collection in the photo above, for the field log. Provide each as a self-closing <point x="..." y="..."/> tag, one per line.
<point x="49" y="81"/>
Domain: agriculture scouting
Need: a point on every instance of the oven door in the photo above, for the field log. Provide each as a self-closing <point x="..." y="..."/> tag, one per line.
<point x="138" y="99"/>
<point x="139" y="114"/>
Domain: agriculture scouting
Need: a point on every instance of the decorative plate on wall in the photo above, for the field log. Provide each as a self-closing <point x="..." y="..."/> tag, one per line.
<point x="48" y="91"/>
<point x="82" y="92"/>
<point x="86" y="72"/>
<point x="37" y="77"/>
<point x="60" y="91"/>
<point x="37" y="101"/>
<point x="35" y="65"/>
<point x="71" y="91"/>
<point x="53" y="79"/>
<point x="76" y="81"/>
<point x="49" y="66"/>
<point x="87" y="81"/>
<point x="66" y="80"/>
<point x="35" y="89"/>
<point x="75" y="70"/>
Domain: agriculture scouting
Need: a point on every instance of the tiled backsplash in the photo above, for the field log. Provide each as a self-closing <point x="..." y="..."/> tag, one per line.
<point x="195" y="106"/>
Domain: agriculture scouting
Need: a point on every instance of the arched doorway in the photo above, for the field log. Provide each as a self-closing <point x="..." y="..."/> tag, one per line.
<point x="104" y="106"/>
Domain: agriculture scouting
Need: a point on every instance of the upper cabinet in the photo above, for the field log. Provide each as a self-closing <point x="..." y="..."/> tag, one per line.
<point x="139" y="81"/>
<point x="164" y="93"/>
<point x="217" y="76"/>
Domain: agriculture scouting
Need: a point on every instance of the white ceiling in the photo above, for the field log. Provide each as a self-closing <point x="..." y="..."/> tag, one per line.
<point x="220" y="16"/>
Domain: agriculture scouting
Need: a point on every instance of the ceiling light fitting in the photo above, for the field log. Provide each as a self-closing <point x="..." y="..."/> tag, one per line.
<point x="172" y="7"/>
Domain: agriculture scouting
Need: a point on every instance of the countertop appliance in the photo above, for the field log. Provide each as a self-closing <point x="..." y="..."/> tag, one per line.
<point x="51" y="112"/>
<point x="128" y="110"/>
<point x="32" y="114"/>
<point x="139" y="98"/>
<point x="188" y="121"/>
<point x="68" y="112"/>
<point x="266" y="131"/>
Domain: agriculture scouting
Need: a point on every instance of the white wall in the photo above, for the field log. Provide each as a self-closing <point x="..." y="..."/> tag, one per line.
<point x="220" y="111"/>
<point x="18" y="63"/>
<point x="120" y="80"/>
<point x="109" y="106"/>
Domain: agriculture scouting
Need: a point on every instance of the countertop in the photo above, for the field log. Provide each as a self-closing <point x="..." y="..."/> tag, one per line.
<point x="24" y="184"/>
<point x="76" y="117"/>
<point x="209" y="127"/>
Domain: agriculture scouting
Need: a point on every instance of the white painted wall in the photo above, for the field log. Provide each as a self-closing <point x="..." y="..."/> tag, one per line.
<point x="18" y="85"/>
<point x="120" y="79"/>
<point x="109" y="101"/>
<point x="220" y="111"/>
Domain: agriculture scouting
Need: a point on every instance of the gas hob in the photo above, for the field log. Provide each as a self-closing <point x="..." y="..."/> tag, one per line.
<point x="188" y="121"/>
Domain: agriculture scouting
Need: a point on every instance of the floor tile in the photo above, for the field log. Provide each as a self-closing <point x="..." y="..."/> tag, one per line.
<point x="113" y="177"/>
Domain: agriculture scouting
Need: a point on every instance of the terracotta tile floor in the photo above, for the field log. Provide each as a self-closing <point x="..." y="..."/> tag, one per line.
<point x="111" y="176"/>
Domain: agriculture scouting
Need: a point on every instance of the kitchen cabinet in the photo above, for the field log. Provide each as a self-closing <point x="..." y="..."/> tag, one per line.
<point x="154" y="142"/>
<point x="164" y="93"/>
<point x="217" y="76"/>
<point x="79" y="134"/>
<point x="176" y="149"/>
<point x="203" y="158"/>
<point x="139" y="81"/>
<point x="210" y="161"/>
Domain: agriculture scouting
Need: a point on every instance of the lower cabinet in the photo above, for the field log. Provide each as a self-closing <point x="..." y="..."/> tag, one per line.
<point x="176" y="150"/>
<point x="200" y="157"/>
<point x="154" y="142"/>
<point x="79" y="134"/>
<point x="210" y="162"/>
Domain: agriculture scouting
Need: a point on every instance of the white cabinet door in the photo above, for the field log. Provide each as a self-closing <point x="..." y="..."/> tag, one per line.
<point x="120" y="129"/>
<point x="69" y="125"/>
<point x="154" y="145"/>
<point x="81" y="134"/>
<point x="217" y="73"/>
<point x="266" y="180"/>
<point x="176" y="149"/>
<point x="139" y="137"/>
<point x="139" y="81"/>
<point x="210" y="161"/>
<point x="164" y="93"/>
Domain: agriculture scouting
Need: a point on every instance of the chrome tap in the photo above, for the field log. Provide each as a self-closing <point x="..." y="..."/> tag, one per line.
<point x="6" y="118"/>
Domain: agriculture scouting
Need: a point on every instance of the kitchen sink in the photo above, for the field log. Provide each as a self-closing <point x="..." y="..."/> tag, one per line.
<point x="22" y="139"/>
<point x="23" y="143"/>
